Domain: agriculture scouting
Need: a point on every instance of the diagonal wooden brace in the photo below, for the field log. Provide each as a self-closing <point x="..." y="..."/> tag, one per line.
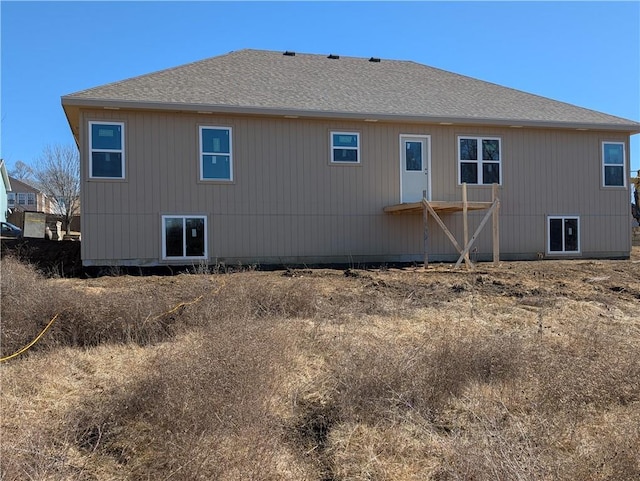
<point x="448" y="233"/>
<point x="467" y="248"/>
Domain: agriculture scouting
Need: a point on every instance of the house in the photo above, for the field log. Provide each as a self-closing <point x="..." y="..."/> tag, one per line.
<point x="289" y="158"/>
<point x="24" y="197"/>
<point x="6" y="187"/>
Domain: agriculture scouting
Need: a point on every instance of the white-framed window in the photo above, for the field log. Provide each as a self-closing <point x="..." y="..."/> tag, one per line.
<point x="184" y="237"/>
<point x="216" y="153"/>
<point x="345" y="147"/>
<point x="11" y="199"/>
<point x="31" y="198"/>
<point x="613" y="164"/>
<point x="479" y="160"/>
<point x="563" y="234"/>
<point x="106" y="150"/>
<point x="22" y="198"/>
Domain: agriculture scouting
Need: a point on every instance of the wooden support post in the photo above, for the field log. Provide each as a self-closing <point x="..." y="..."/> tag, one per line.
<point x="496" y="225"/>
<point x="465" y="217"/>
<point x="425" y="221"/>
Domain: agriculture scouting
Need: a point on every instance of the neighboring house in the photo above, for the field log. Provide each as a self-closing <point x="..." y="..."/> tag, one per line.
<point x="6" y="187"/>
<point x="25" y="197"/>
<point x="260" y="156"/>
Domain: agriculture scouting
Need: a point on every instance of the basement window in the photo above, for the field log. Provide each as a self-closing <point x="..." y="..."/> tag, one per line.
<point x="563" y="235"/>
<point x="216" y="160"/>
<point x="479" y="160"/>
<point x="613" y="164"/>
<point x="106" y="147"/>
<point x="345" y="147"/>
<point x="184" y="237"/>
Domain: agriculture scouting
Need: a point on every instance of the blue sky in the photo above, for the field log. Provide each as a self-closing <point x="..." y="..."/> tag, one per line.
<point x="584" y="53"/>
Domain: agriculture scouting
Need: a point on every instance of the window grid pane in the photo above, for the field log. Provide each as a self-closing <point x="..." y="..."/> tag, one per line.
<point x="490" y="173"/>
<point x="469" y="172"/>
<point x="571" y="235"/>
<point x="174" y="237"/>
<point x="490" y="149"/>
<point x="614" y="176"/>
<point x="345" y="155"/>
<point x="194" y="236"/>
<point x="468" y="149"/>
<point x="555" y="235"/>
<point x="614" y="154"/>
<point x="216" y="167"/>
<point x="216" y="141"/>
<point x="106" y="164"/>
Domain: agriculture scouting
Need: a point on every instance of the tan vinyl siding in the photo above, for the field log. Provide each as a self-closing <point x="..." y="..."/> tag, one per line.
<point x="287" y="203"/>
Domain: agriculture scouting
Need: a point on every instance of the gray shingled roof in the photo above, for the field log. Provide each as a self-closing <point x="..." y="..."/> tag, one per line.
<point x="304" y="84"/>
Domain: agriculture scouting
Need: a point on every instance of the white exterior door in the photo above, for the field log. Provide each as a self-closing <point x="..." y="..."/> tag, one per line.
<point x="415" y="172"/>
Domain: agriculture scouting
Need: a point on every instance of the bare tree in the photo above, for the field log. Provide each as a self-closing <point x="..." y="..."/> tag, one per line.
<point x="22" y="171"/>
<point x="57" y="173"/>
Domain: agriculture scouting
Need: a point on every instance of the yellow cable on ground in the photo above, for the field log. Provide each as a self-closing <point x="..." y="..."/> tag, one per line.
<point x="28" y="346"/>
<point x="197" y="299"/>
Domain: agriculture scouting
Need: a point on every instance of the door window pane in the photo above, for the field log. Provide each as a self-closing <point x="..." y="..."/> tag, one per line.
<point x="413" y="156"/>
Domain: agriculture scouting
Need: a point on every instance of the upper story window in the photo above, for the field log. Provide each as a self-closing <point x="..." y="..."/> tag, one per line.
<point x="613" y="164"/>
<point x="345" y="147"/>
<point x="11" y="199"/>
<point x="31" y="198"/>
<point x="216" y="158"/>
<point x="22" y="198"/>
<point x="479" y="160"/>
<point x="106" y="150"/>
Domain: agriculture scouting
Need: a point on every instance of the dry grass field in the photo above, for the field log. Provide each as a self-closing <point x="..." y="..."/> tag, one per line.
<point x="529" y="371"/>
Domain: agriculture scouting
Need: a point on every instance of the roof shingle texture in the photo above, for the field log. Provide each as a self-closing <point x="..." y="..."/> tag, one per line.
<point x="258" y="79"/>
